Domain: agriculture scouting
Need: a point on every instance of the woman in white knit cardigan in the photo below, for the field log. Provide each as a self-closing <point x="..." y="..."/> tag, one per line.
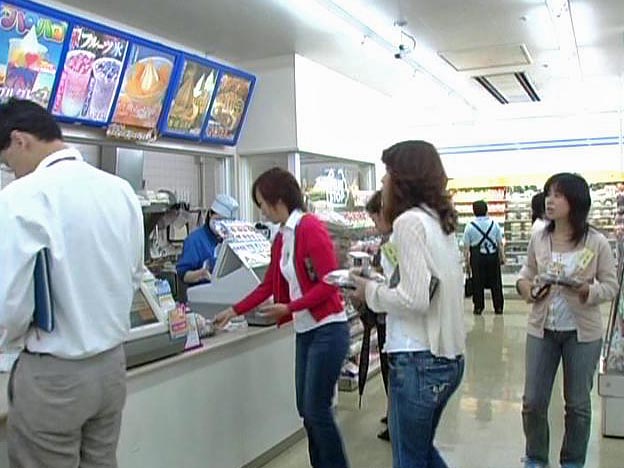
<point x="423" y="300"/>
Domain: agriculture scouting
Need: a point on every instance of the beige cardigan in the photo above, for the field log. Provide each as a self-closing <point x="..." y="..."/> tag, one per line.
<point x="601" y="274"/>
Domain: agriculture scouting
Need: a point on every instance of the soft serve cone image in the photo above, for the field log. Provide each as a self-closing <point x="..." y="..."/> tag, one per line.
<point x="183" y="107"/>
<point x="149" y="79"/>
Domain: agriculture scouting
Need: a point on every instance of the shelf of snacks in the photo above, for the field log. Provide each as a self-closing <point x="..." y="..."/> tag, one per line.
<point x="611" y="373"/>
<point x="518" y="226"/>
<point x="463" y="198"/>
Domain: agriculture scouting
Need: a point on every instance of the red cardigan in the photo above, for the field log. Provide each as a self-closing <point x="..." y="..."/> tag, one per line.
<point x="314" y="256"/>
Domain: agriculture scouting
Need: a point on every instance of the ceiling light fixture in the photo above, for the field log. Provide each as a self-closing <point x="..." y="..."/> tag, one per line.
<point x="419" y="57"/>
<point x="566" y="37"/>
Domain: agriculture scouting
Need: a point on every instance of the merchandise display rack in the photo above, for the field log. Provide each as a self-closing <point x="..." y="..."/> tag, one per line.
<point x="510" y="206"/>
<point x="351" y="229"/>
<point x="611" y="374"/>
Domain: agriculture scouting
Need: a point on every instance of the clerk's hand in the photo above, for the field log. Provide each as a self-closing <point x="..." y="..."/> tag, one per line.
<point x="274" y="311"/>
<point x="204" y="274"/>
<point x="223" y="318"/>
<point x="195" y="276"/>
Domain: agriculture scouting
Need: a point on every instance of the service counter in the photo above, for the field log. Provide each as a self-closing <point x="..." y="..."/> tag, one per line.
<point x="228" y="404"/>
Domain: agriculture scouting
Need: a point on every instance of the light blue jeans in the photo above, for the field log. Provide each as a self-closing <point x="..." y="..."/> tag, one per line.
<point x="579" y="365"/>
<point x="420" y="387"/>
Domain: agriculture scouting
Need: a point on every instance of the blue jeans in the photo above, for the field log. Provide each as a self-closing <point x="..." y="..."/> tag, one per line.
<point x="320" y="354"/>
<point x="420" y="387"/>
<point x="579" y="365"/>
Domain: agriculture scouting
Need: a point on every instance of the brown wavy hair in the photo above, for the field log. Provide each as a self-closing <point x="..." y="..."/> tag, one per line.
<point x="417" y="178"/>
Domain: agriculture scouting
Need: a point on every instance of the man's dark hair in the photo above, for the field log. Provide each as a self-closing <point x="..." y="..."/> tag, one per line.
<point x="479" y="208"/>
<point x="28" y="117"/>
<point x="278" y="184"/>
<point x="373" y="205"/>
<point x="538" y="208"/>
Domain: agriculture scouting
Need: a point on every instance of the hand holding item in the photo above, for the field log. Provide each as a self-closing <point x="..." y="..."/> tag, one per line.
<point x="274" y="311"/>
<point x="360" y="282"/>
<point x="195" y="276"/>
<point x="532" y="291"/>
<point x="539" y="291"/>
<point x="583" y="292"/>
<point x="223" y="318"/>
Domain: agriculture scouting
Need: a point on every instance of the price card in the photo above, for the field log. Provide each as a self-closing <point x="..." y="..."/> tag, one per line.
<point x="177" y="323"/>
<point x="390" y="251"/>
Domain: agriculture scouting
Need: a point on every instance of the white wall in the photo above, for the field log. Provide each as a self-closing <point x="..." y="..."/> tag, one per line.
<point x="540" y="161"/>
<point x="477" y="134"/>
<point x="338" y="116"/>
<point x="270" y="124"/>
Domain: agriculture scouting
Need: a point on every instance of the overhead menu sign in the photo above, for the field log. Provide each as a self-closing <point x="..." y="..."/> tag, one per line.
<point x="90" y="76"/>
<point x="30" y="52"/>
<point x="144" y="87"/>
<point x="228" y="107"/>
<point x="187" y="111"/>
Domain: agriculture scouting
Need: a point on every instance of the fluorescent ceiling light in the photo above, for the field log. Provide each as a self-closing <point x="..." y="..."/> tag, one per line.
<point x="564" y="28"/>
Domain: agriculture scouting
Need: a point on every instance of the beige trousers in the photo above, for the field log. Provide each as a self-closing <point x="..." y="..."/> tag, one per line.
<point x="66" y="413"/>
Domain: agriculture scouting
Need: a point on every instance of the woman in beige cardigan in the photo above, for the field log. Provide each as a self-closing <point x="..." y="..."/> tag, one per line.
<point x="565" y="322"/>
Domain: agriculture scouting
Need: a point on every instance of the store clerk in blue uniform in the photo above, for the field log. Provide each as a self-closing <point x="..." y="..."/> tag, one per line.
<point x="199" y="252"/>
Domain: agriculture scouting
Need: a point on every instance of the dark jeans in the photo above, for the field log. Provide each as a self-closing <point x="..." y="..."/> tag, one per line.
<point x="420" y="387"/>
<point x="486" y="273"/>
<point x="579" y="366"/>
<point x="320" y="354"/>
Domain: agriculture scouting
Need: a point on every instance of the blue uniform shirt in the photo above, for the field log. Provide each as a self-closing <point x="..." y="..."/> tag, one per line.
<point x="199" y="246"/>
<point x="472" y="237"/>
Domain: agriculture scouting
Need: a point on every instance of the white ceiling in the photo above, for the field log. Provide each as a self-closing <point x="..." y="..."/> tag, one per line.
<point x="245" y="30"/>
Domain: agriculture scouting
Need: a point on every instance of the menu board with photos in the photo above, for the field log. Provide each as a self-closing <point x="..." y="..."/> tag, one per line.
<point x="228" y="107"/>
<point x="145" y="84"/>
<point x="91" y="75"/>
<point x="187" y="111"/>
<point x="30" y="52"/>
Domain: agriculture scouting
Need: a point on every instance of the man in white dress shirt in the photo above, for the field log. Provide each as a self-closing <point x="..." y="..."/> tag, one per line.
<point x="67" y="389"/>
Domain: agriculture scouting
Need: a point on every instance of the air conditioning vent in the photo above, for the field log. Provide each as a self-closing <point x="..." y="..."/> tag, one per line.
<point x="509" y="88"/>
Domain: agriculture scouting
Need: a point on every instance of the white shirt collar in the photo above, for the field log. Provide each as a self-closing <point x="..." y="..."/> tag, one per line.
<point x="293" y="219"/>
<point x="64" y="153"/>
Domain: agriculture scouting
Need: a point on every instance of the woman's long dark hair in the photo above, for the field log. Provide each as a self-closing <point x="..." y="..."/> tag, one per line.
<point x="417" y="178"/>
<point x="576" y="191"/>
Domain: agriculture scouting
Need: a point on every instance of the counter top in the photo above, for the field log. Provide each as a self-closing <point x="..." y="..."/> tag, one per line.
<point x="213" y="343"/>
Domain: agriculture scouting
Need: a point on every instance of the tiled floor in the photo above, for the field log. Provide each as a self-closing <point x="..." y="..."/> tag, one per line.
<point x="482" y="425"/>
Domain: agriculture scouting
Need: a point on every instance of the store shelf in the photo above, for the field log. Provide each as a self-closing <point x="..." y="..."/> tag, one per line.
<point x="350" y="384"/>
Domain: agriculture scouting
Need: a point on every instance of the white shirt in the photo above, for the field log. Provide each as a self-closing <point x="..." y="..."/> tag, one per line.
<point x="560" y="315"/>
<point x="414" y="323"/>
<point x="538" y="225"/>
<point x="92" y="224"/>
<point x="303" y="320"/>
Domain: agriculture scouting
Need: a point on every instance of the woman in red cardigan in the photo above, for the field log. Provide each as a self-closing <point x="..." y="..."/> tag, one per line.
<point x="301" y="255"/>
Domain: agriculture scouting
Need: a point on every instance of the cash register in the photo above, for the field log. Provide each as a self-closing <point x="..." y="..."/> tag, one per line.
<point x="242" y="261"/>
<point x="149" y="338"/>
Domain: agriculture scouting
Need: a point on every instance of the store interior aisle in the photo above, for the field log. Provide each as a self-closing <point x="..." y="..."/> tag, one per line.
<point x="482" y="425"/>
